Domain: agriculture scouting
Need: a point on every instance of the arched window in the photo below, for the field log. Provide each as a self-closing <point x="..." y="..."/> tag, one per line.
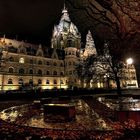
<point x="11" y="70"/>
<point x="61" y="73"/>
<point x="11" y="59"/>
<point x="10" y="81"/>
<point x="55" y="73"/>
<point x="48" y="72"/>
<point x="61" y="82"/>
<point x="40" y="53"/>
<point x="20" y="81"/>
<point x="61" y="64"/>
<point x="70" y="72"/>
<point x="69" y="63"/>
<point x="30" y="71"/>
<point x="39" y="62"/>
<point x="39" y="81"/>
<point x="31" y="61"/>
<point x="22" y="50"/>
<point x="54" y="81"/>
<point x="47" y="63"/>
<point x="55" y="64"/>
<point x="47" y="81"/>
<point x="40" y="72"/>
<point x="69" y="43"/>
<point x="31" y="81"/>
<point x="21" y="71"/>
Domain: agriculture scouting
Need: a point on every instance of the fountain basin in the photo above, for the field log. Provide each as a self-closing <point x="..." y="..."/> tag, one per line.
<point x="128" y="115"/>
<point x="125" y="108"/>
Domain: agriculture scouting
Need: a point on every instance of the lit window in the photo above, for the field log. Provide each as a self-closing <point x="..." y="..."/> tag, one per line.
<point x="21" y="60"/>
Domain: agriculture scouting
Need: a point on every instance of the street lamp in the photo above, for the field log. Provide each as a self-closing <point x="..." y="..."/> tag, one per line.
<point x="106" y="76"/>
<point x="129" y="61"/>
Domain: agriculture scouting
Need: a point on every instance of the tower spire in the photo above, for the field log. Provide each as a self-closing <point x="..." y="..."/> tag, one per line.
<point x="65" y="15"/>
<point x="64" y="5"/>
<point x="90" y="45"/>
<point x="64" y="8"/>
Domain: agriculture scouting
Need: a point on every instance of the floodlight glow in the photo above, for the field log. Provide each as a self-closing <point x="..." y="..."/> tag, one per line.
<point x="129" y="61"/>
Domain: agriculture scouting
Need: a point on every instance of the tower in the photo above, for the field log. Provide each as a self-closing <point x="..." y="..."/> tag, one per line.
<point x="65" y="33"/>
<point x="90" y="46"/>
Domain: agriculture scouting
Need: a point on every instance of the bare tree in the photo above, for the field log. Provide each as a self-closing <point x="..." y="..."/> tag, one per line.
<point x="120" y="17"/>
<point x="110" y="66"/>
<point x="85" y="70"/>
<point x="115" y="20"/>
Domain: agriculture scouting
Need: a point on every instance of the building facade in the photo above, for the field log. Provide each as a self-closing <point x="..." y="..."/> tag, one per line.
<point x="24" y="65"/>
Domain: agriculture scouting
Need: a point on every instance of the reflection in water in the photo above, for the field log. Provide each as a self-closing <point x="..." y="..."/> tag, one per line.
<point x="27" y="115"/>
<point x="123" y="103"/>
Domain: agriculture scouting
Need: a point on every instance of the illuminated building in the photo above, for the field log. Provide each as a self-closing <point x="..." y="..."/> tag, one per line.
<point x="25" y="64"/>
<point x="34" y="66"/>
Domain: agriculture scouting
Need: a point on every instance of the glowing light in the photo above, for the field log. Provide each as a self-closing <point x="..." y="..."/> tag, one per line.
<point x="129" y="61"/>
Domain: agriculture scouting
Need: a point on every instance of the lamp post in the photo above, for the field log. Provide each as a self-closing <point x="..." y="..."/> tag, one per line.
<point x="1" y="65"/>
<point x="129" y="62"/>
<point x="106" y="76"/>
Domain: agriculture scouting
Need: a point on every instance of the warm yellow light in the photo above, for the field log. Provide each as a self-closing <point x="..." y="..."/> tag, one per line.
<point x="129" y="61"/>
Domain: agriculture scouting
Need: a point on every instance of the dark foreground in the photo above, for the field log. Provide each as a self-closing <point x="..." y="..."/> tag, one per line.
<point x="128" y="130"/>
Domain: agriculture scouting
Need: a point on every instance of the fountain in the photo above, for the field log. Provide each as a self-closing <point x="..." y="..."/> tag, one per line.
<point x="56" y="113"/>
<point x="125" y="108"/>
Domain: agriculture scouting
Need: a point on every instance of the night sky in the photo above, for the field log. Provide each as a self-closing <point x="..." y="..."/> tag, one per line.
<point x="30" y="20"/>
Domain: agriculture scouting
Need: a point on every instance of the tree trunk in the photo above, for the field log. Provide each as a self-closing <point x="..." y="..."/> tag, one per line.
<point x="82" y="83"/>
<point x="119" y="92"/>
<point x="88" y="84"/>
